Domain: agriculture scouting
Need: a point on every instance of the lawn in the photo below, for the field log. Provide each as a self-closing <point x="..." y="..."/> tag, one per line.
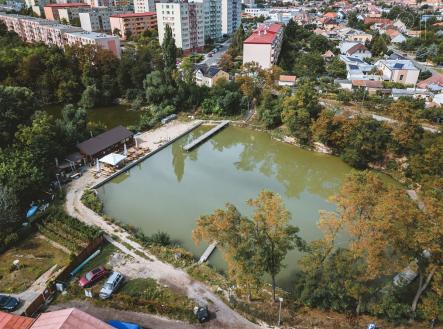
<point x="36" y="256"/>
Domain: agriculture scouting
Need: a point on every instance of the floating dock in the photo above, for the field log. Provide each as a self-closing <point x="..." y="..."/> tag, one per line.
<point x="207" y="252"/>
<point x="206" y="135"/>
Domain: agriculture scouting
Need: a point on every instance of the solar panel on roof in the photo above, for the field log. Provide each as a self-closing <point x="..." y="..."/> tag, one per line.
<point x="353" y="67"/>
<point x="398" y="65"/>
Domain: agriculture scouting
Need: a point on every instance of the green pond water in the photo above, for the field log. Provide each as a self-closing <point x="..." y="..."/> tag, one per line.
<point x="111" y="116"/>
<point x="170" y="190"/>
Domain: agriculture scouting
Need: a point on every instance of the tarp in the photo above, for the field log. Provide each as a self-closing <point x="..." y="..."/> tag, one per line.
<point x="112" y="159"/>
<point x="123" y="325"/>
<point x="31" y="212"/>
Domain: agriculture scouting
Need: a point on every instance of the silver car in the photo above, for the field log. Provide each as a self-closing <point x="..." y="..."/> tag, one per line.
<point x="111" y="285"/>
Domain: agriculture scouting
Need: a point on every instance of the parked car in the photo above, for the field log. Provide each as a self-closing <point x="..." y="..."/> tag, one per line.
<point x="9" y="303"/>
<point x="210" y="55"/>
<point x="111" y="285"/>
<point x="93" y="276"/>
<point x="202" y="313"/>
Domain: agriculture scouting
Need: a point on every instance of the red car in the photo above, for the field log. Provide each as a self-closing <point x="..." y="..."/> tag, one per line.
<point x="93" y="276"/>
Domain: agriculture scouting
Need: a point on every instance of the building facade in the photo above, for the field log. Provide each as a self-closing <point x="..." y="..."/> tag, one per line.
<point x="31" y="29"/>
<point x="263" y="45"/>
<point x="231" y="15"/>
<point x="143" y="6"/>
<point x="133" y="23"/>
<point x="402" y="71"/>
<point x="96" y="19"/>
<point x="52" y="10"/>
<point x="213" y="18"/>
<point x="187" y="22"/>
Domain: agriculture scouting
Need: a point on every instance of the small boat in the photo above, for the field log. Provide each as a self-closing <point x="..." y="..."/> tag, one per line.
<point x="31" y="212"/>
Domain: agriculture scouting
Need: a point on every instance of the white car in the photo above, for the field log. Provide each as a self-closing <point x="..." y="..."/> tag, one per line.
<point x="111" y="285"/>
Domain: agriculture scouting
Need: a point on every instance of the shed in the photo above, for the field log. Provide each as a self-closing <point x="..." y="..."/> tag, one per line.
<point x="103" y="143"/>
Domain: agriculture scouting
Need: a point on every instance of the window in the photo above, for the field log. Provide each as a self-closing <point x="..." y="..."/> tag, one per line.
<point x="401" y="77"/>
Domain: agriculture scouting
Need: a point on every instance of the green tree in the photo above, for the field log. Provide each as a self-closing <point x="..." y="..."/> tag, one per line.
<point x="274" y="234"/>
<point x="337" y="68"/>
<point x="17" y="106"/>
<point x="71" y="127"/>
<point x="169" y="50"/>
<point x="9" y="207"/>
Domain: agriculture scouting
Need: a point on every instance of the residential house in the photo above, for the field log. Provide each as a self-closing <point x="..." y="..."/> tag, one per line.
<point x="354" y="49"/>
<point x="402" y="71"/>
<point x="208" y="75"/>
<point x="411" y="92"/>
<point x="433" y="83"/>
<point x="357" y="69"/>
<point x="400" y="38"/>
<point x="328" y="55"/>
<point x="287" y="80"/>
<point x="371" y="86"/>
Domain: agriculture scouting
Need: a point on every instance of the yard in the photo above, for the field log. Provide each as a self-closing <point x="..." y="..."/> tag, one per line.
<point x="136" y="294"/>
<point x="35" y="255"/>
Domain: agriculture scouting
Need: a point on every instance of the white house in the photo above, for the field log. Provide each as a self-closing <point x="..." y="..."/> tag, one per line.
<point x="398" y="39"/>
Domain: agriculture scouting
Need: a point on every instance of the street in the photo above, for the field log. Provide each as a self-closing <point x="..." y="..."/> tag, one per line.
<point x="216" y="57"/>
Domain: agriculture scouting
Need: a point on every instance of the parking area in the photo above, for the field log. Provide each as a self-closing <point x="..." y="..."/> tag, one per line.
<point x="213" y="60"/>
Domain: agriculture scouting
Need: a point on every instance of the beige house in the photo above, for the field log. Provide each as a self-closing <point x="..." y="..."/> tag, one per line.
<point x="208" y="76"/>
<point x="402" y="71"/>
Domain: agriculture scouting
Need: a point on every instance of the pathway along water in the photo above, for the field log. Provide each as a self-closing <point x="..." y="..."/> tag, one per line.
<point x="170" y="190"/>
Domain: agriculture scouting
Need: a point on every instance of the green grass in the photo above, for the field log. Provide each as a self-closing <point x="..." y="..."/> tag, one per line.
<point x="36" y="256"/>
<point x="101" y="259"/>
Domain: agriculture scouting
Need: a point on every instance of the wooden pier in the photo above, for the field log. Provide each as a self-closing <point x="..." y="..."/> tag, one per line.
<point x="206" y="135"/>
<point x="207" y="252"/>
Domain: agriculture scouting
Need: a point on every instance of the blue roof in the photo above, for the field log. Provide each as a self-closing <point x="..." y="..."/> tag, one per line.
<point x="353" y="67"/>
<point x="123" y="325"/>
<point x="398" y="65"/>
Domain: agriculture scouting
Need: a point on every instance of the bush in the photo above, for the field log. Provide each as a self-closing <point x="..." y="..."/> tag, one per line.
<point x="91" y="200"/>
<point x="10" y="239"/>
<point x="161" y="239"/>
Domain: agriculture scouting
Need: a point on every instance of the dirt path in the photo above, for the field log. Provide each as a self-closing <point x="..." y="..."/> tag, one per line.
<point x="150" y="266"/>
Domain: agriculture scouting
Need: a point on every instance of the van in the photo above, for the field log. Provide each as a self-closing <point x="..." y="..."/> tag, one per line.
<point x="111" y="285"/>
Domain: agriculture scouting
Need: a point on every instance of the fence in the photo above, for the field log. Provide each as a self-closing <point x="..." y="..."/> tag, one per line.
<point x="63" y="276"/>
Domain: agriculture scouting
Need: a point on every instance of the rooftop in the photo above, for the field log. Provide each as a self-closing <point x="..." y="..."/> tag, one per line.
<point x="10" y="321"/>
<point x="128" y="15"/>
<point x="399" y="64"/>
<point x="103" y="141"/>
<point x="264" y="34"/>
<point x="68" y="319"/>
<point x="65" y="5"/>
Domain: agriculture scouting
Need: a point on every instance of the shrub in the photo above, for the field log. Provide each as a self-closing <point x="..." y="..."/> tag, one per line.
<point x="91" y="200"/>
<point x="161" y="239"/>
<point x="10" y="239"/>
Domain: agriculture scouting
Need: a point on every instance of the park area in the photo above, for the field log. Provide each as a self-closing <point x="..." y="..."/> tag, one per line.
<point x="35" y="256"/>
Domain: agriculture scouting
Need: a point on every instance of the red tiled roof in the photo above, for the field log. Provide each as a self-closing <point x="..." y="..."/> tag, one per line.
<point x="356" y="48"/>
<point x="68" y="319"/>
<point x="288" y="78"/>
<point x="10" y="321"/>
<point x="367" y="83"/>
<point x="148" y="13"/>
<point x="372" y="20"/>
<point x="330" y="15"/>
<point x="436" y="79"/>
<point x="64" y="5"/>
<point x="264" y="35"/>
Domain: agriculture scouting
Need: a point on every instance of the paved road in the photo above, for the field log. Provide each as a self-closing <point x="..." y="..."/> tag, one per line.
<point x="216" y="57"/>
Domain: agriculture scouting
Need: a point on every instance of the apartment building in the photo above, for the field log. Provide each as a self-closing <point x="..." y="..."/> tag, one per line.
<point x="32" y="29"/>
<point x="52" y="10"/>
<point x="187" y="22"/>
<point x="96" y="19"/>
<point x="133" y="23"/>
<point x="263" y="45"/>
<point x="230" y="14"/>
<point x="143" y="6"/>
<point x="213" y="18"/>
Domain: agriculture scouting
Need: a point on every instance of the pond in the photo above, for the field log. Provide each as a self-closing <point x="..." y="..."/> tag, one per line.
<point x="170" y="190"/>
<point x="111" y="116"/>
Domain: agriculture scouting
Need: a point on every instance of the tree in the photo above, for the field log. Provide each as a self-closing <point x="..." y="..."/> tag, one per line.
<point x="274" y="234"/>
<point x="252" y="246"/>
<point x="337" y="68"/>
<point x="18" y="105"/>
<point x="269" y="111"/>
<point x="89" y="97"/>
<point x="379" y="45"/>
<point x="9" y="206"/>
<point x="299" y="110"/>
<point x="169" y="50"/>
<point x="309" y="65"/>
<point x="71" y="127"/>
